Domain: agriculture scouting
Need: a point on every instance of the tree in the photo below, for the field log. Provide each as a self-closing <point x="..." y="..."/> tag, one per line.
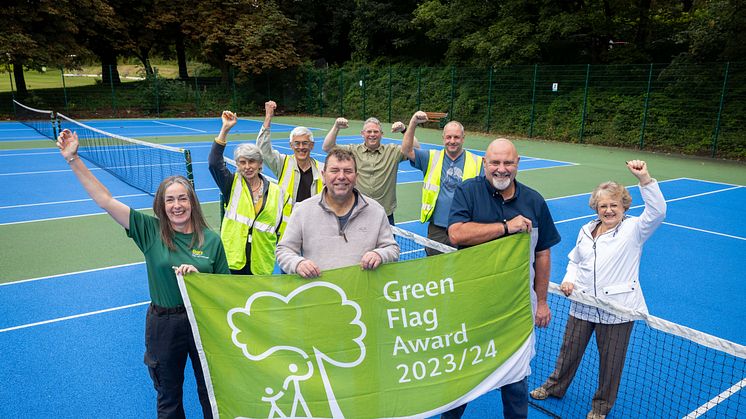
<point x="253" y="36"/>
<point x="38" y="34"/>
<point x="270" y="323"/>
<point x="383" y="28"/>
<point x="715" y="31"/>
<point x="326" y="25"/>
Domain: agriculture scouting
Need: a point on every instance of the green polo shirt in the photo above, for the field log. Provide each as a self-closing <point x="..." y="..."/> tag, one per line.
<point x="164" y="290"/>
<point x="377" y="171"/>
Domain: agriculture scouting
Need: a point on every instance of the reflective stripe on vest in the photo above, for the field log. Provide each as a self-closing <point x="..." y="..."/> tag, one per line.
<point x="286" y="182"/>
<point x="241" y="224"/>
<point x="431" y="183"/>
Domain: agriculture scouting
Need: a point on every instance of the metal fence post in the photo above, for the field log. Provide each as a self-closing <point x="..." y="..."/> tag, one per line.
<point x="585" y="101"/>
<point x="309" y="101"/>
<point x="364" y="86"/>
<point x="321" y="93"/>
<point x="341" y="92"/>
<point x="157" y="96"/>
<point x="64" y="88"/>
<point x="533" y="102"/>
<point x="716" y="133"/>
<point x="645" y="109"/>
<point x="389" y="92"/>
<point x="12" y="87"/>
<point x="419" y="76"/>
<point x="232" y="75"/>
<point x="111" y="85"/>
<point x="489" y="99"/>
<point x="196" y="91"/>
<point x="269" y="85"/>
<point x="451" y="111"/>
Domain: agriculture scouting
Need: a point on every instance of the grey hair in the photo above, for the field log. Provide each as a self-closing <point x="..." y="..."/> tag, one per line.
<point x="372" y="120"/>
<point x="301" y="131"/>
<point x="248" y="151"/>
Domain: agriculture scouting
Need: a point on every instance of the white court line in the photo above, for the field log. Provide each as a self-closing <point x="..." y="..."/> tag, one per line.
<point x="43" y="172"/>
<point x="716" y="400"/>
<point x="60" y="319"/>
<point x="705" y="231"/>
<point x="672" y="224"/>
<point x="87" y="199"/>
<point x="71" y="273"/>
<point x="30" y="154"/>
<point x="181" y="127"/>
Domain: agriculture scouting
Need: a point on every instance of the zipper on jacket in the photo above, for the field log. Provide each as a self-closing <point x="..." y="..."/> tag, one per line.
<point x="595" y="289"/>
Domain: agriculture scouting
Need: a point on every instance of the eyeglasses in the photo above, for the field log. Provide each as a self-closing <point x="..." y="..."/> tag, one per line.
<point x="298" y="144"/>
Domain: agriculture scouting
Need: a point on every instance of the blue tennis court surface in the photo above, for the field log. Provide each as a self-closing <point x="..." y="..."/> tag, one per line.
<point x="41" y="186"/>
<point x="138" y="128"/>
<point x="72" y="344"/>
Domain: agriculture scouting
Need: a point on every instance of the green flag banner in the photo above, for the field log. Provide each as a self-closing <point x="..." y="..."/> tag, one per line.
<point x="409" y="339"/>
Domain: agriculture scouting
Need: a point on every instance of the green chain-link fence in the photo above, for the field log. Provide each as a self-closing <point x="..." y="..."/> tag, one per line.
<point x="692" y="109"/>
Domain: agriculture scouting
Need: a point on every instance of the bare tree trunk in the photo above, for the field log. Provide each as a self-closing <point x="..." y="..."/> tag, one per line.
<point x="143" y="56"/>
<point x="109" y="70"/>
<point x="181" y="56"/>
<point x="21" y="91"/>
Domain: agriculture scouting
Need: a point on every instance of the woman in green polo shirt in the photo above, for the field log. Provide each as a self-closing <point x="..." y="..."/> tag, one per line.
<point x="176" y="240"/>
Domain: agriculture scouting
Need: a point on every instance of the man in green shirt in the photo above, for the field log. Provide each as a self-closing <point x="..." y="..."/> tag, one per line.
<point x="377" y="164"/>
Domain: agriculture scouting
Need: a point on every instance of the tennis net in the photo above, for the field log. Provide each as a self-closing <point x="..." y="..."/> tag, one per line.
<point x="670" y="370"/>
<point x="40" y="120"/>
<point x="138" y="163"/>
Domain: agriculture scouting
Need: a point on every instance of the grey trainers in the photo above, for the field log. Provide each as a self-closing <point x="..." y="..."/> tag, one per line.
<point x="595" y="415"/>
<point x="539" y="393"/>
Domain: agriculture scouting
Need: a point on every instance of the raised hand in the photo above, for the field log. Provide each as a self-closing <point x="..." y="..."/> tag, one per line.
<point x="397" y="126"/>
<point x="640" y="170"/>
<point x="269" y="108"/>
<point x="341" y="123"/>
<point x="67" y="142"/>
<point x="230" y="120"/>
<point x="419" y="117"/>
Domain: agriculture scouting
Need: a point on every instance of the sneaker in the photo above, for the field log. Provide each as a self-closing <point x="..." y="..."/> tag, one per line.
<point x="539" y="393"/>
<point x="595" y="415"/>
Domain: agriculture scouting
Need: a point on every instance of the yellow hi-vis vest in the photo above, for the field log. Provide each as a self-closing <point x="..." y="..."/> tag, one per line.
<point x="241" y="224"/>
<point x="287" y="183"/>
<point x="431" y="183"/>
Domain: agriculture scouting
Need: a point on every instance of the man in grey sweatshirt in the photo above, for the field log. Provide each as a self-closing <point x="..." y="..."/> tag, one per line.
<point x="338" y="227"/>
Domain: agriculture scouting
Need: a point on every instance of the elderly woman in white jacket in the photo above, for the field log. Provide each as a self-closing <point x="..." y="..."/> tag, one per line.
<point x="605" y="263"/>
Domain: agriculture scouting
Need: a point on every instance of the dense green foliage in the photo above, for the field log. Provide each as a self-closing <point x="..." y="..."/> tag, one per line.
<point x="685" y="108"/>
<point x="490" y="64"/>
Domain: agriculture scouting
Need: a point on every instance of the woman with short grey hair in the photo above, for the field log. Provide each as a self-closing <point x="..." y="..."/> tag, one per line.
<point x="253" y="209"/>
<point x="605" y="263"/>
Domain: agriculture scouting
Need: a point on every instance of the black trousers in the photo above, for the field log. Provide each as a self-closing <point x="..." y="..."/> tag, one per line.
<point x="168" y="342"/>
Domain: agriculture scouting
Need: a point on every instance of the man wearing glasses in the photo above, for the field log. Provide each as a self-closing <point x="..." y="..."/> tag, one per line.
<point x="298" y="174"/>
<point x="377" y="164"/>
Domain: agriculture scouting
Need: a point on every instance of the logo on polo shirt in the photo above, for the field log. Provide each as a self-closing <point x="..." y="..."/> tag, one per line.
<point x="197" y="253"/>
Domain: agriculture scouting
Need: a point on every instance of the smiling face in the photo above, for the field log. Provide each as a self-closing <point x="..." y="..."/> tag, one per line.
<point x="249" y="169"/>
<point x="501" y="164"/>
<point x="453" y="139"/>
<point x="178" y="207"/>
<point x="339" y="177"/>
<point x="302" y="146"/>
<point x="610" y="210"/>
<point x="372" y="135"/>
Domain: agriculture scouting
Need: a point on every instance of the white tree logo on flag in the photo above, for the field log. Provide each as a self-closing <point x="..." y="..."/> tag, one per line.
<point x="253" y="350"/>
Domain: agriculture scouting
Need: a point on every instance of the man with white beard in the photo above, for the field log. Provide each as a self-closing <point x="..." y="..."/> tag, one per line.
<point x="495" y="205"/>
